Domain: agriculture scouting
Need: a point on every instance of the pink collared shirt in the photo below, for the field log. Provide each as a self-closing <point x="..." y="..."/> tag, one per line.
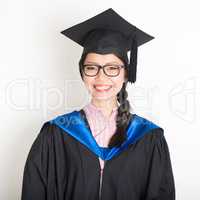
<point x="101" y="127"/>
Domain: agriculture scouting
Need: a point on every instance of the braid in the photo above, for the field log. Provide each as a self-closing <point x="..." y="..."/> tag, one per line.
<point x="122" y="119"/>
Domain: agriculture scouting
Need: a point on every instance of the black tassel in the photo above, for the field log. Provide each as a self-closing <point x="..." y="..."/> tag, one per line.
<point x="132" y="68"/>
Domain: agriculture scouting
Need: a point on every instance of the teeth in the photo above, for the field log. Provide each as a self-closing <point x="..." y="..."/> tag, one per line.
<point x="102" y="87"/>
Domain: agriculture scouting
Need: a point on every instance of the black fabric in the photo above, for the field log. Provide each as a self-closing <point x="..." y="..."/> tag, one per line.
<point x="108" y="32"/>
<point x="58" y="167"/>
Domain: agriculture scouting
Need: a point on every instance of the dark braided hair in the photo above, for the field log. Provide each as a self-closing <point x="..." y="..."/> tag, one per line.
<point x="122" y="119"/>
<point x="123" y="116"/>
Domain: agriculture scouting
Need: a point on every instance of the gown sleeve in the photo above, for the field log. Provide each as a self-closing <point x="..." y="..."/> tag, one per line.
<point x="34" y="184"/>
<point x="161" y="185"/>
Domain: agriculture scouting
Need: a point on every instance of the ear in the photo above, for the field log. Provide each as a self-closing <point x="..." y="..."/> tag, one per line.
<point x="126" y="77"/>
<point x="126" y="74"/>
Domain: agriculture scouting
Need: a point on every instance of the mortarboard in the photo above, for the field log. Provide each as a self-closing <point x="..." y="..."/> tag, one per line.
<point x="108" y="32"/>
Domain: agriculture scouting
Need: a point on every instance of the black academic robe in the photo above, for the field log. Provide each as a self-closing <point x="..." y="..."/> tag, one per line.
<point x="63" y="163"/>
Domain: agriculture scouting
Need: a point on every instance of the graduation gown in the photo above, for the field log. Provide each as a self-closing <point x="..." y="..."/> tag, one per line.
<point x="63" y="163"/>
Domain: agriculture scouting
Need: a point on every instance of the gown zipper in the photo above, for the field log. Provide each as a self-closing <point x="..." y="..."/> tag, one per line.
<point x="100" y="184"/>
<point x="101" y="178"/>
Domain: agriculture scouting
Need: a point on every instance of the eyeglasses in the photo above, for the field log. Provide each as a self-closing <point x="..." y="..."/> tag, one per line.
<point x="108" y="69"/>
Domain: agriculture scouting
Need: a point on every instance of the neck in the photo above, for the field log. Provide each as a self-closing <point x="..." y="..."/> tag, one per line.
<point x="106" y="106"/>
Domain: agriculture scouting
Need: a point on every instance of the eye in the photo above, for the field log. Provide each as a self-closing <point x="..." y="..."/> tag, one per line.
<point x="90" y="67"/>
<point x="111" y="67"/>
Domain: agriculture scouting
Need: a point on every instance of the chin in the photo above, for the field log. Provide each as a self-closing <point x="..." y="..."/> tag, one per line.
<point x="103" y="97"/>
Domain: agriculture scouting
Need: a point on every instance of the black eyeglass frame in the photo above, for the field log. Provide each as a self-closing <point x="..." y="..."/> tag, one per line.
<point x="103" y="67"/>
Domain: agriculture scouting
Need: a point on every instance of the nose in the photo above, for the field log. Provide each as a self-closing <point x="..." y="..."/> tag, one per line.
<point x="101" y="73"/>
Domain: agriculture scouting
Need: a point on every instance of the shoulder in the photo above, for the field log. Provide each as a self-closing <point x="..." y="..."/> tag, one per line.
<point x="65" y="119"/>
<point x="153" y="140"/>
<point x="52" y="127"/>
<point x="48" y="135"/>
<point x="49" y="128"/>
<point x="152" y="130"/>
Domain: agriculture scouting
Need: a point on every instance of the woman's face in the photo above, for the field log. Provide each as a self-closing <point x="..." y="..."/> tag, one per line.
<point x="113" y="83"/>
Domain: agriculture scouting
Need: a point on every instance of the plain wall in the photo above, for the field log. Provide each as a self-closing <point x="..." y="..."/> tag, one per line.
<point x="39" y="78"/>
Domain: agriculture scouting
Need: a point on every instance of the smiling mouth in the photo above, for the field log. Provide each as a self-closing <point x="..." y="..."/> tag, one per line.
<point x="102" y="88"/>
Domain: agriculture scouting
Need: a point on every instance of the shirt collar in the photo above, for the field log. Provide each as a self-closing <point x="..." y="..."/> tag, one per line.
<point x="90" y="106"/>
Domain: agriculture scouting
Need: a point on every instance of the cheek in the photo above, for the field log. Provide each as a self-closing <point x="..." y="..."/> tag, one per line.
<point x="88" y="82"/>
<point x="119" y="81"/>
<point x="118" y="85"/>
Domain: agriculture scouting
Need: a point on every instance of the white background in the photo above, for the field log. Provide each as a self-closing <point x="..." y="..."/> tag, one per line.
<point x="39" y="78"/>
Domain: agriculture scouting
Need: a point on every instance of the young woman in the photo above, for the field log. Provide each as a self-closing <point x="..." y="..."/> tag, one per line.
<point x="102" y="151"/>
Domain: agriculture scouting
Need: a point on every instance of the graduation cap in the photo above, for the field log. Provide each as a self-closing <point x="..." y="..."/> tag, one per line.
<point x="108" y="32"/>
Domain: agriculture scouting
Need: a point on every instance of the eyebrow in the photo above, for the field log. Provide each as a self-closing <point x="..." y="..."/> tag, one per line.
<point x="112" y="62"/>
